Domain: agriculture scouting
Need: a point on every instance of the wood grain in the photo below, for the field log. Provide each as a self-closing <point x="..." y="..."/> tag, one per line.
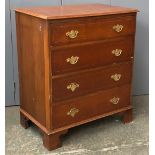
<point x="90" y="105"/>
<point x="103" y="29"/>
<point x="48" y="68"/>
<point x="72" y="11"/>
<point x="91" y="81"/>
<point x="30" y="43"/>
<point x="92" y="54"/>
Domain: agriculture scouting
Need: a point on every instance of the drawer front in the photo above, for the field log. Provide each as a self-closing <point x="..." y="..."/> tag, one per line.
<point x="95" y="29"/>
<point x="72" y="58"/>
<point x="79" y="84"/>
<point x="89" y="106"/>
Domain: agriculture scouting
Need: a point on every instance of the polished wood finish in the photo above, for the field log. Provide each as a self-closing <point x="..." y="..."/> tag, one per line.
<point x="103" y="29"/>
<point x="31" y="74"/>
<point x="91" y="54"/>
<point x="38" y="124"/>
<point x="67" y="78"/>
<point x="90" y="105"/>
<point x="91" y="81"/>
<point x="73" y="11"/>
<point x="53" y="141"/>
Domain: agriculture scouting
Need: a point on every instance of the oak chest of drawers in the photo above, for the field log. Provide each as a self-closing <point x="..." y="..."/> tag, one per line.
<point x="75" y="66"/>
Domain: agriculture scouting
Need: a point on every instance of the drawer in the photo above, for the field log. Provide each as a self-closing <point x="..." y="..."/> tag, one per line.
<point x="94" y="29"/>
<point x="86" y="107"/>
<point x="70" y="86"/>
<point x="87" y="55"/>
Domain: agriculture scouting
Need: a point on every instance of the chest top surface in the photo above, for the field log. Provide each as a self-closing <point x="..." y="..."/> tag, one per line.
<point x="73" y="11"/>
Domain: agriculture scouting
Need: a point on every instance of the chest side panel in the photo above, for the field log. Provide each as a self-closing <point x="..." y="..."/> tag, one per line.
<point x="30" y="40"/>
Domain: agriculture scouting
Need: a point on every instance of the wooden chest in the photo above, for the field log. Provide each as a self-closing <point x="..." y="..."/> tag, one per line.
<point x="75" y="66"/>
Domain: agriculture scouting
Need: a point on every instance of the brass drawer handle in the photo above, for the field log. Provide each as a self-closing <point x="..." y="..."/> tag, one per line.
<point x="72" y="86"/>
<point x="116" y="77"/>
<point x="115" y="100"/>
<point x="118" y="28"/>
<point x="72" y="34"/>
<point x="72" y="112"/>
<point x="72" y="60"/>
<point x="117" y="52"/>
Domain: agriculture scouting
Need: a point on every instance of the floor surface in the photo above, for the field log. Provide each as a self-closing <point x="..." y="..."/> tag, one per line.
<point x="107" y="136"/>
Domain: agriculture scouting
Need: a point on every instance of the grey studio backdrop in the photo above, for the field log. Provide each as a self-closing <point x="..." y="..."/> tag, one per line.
<point x="141" y="66"/>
